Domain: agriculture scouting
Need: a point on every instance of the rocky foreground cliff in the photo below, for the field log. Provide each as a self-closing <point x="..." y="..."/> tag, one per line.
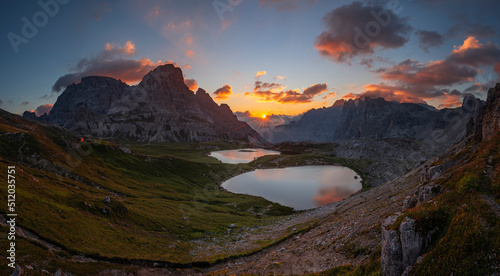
<point x="161" y="108"/>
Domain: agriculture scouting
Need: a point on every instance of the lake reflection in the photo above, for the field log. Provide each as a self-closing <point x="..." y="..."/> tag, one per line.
<point x="298" y="187"/>
<point x="241" y="155"/>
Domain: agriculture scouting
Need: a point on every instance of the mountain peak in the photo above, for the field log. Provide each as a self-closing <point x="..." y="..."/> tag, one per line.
<point x="164" y="77"/>
<point x="160" y="109"/>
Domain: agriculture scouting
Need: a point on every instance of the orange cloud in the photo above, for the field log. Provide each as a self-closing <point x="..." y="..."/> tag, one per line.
<point x="260" y="73"/>
<point x="109" y="62"/>
<point x="269" y="92"/>
<point x="280" y="77"/>
<point x="388" y="92"/>
<point x="191" y="84"/>
<point x="470" y="43"/>
<point x="189" y="53"/>
<point x="330" y="95"/>
<point x="475" y="54"/>
<point x="449" y="101"/>
<point x="128" y="49"/>
<point x="345" y="36"/>
<point x="223" y="93"/>
<point x="441" y="72"/>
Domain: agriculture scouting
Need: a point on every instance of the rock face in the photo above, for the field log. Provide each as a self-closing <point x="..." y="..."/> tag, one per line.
<point x="161" y="108"/>
<point x="400" y="249"/>
<point x="317" y="125"/>
<point x="378" y="119"/>
<point x="491" y="118"/>
<point x="486" y="123"/>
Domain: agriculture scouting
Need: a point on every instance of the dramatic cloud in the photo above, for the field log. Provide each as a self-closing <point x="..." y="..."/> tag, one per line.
<point x="223" y="93"/>
<point x="191" y="84"/>
<point x="260" y="73"/>
<point x="429" y="39"/>
<point x="269" y="92"/>
<point x="413" y="81"/>
<point x="497" y="69"/>
<point x="461" y="66"/>
<point x="109" y="62"/>
<point x="475" y="54"/>
<point x="433" y="73"/>
<point x="283" y="5"/>
<point x="389" y="93"/>
<point x="43" y="109"/>
<point x="356" y="29"/>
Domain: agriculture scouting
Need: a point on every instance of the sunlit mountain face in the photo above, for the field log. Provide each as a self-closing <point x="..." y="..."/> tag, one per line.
<point x="265" y="57"/>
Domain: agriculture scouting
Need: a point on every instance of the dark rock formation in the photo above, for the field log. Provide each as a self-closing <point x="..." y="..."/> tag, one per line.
<point x="378" y="119"/>
<point x="400" y="249"/>
<point x="160" y="108"/>
<point x="491" y="111"/>
<point x="317" y="125"/>
<point x="422" y="194"/>
<point x="486" y="123"/>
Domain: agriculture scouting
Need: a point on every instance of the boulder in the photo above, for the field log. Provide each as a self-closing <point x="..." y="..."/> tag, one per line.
<point x="401" y="248"/>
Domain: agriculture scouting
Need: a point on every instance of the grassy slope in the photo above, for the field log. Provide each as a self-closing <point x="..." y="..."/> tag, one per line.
<point x="467" y="229"/>
<point x="158" y="205"/>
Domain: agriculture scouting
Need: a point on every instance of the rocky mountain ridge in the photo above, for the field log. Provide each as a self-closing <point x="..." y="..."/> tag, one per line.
<point x="161" y="108"/>
<point x="379" y="119"/>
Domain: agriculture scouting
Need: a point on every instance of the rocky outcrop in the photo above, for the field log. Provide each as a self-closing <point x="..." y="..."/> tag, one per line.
<point x="402" y="247"/>
<point x="486" y="123"/>
<point x="160" y="108"/>
<point x="379" y="119"/>
<point x="318" y="125"/>
<point x="491" y="111"/>
<point x="392" y="252"/>
<point x="422" y="194"/>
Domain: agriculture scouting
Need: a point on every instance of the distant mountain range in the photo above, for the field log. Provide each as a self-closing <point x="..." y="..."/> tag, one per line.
<point x="379" y="119"/>
<point x="161" y="108"/>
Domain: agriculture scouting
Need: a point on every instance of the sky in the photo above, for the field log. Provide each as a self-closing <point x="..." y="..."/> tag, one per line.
<point x="261" y="56"/>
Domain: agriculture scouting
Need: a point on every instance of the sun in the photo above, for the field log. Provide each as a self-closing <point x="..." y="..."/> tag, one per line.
<point x="264" y="116"/>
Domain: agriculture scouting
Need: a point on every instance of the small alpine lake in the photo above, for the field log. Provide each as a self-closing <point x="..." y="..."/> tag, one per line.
<point x="301" y="188"/>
